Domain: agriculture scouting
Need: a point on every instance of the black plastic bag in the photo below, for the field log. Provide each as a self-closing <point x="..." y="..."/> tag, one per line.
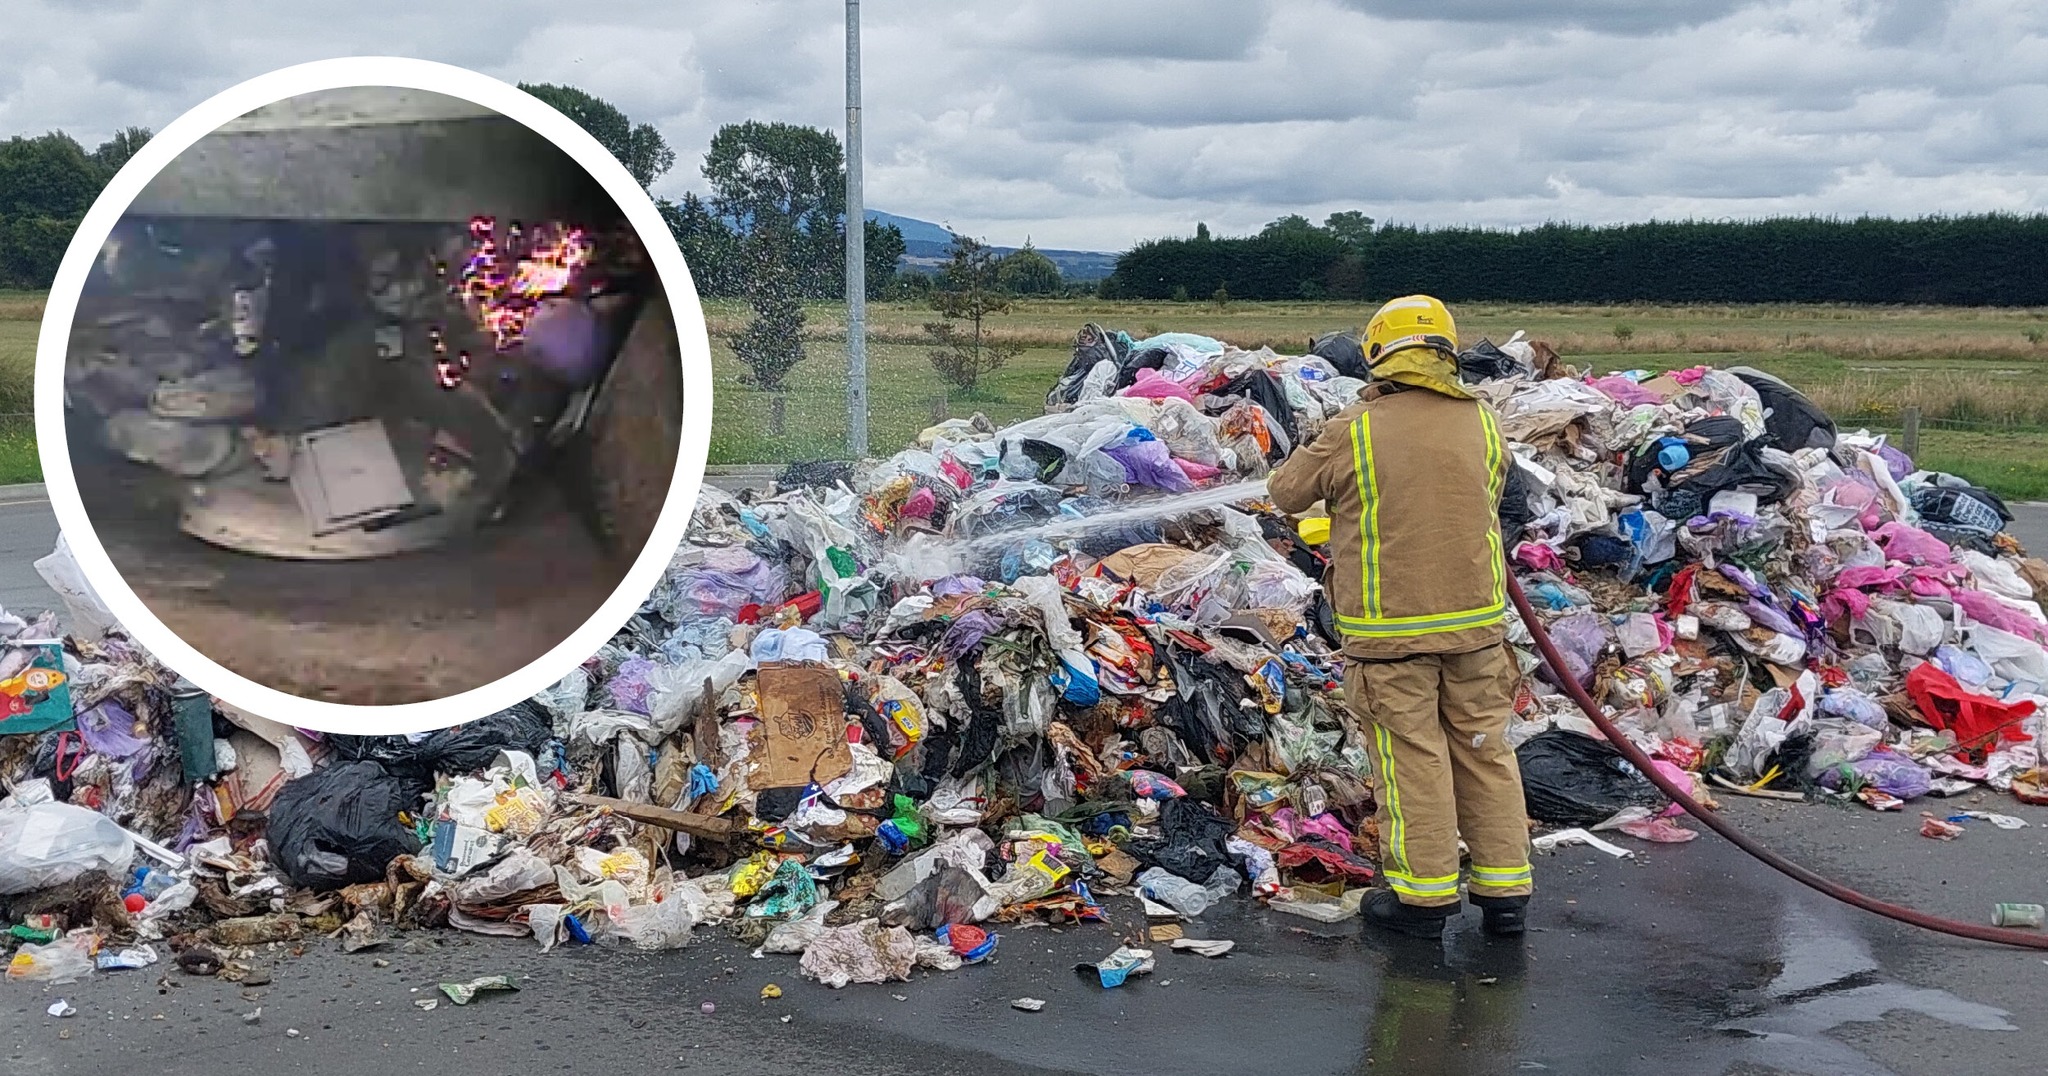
<point x="1962" y="508"/>
<point x="1190" y="842"/>
<point x="1515" y="513"/>
<point x="1342" y="350"/>
<point x="1708" y="437"/>
<point x="462" y="748"/>
<point x="1791" y="421"/>
<point x="340" y="826"/>
<point x="1485" y="362"/>
<point x="1574" y="780"/>
<point x="1091" y="345"/>
<point x="1263" y="388"/>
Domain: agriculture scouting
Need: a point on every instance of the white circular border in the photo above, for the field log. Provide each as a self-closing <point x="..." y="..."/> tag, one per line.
<point x="53" y="344"/>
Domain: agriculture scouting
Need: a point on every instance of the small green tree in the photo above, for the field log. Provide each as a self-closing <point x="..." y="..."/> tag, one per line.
<point x="773" y="343"/>
<point x="968" y="290"/>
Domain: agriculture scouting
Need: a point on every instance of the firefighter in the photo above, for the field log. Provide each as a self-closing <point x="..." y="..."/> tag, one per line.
<point x="1412" y="476"/>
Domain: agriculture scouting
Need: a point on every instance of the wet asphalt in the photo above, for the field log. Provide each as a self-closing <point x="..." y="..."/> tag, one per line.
<point x="1682" y="960"/>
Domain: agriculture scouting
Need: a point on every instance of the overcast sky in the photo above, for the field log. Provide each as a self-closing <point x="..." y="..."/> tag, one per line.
<point x="1093" y="123"/>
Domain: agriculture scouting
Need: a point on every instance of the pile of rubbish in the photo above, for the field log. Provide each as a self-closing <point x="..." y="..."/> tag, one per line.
<point x="887" y="712"/>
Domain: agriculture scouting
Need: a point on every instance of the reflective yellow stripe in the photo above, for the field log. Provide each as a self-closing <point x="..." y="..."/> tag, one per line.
<point x="1367" y="475"/>
<point x="1397" y="842"/>
<point x="1497" y="465"/>
<point x="1422" y="625"/>
<point x="1502" y="875"/>
<point x="1501" y="883"/>
<point x="1409" y="885"/>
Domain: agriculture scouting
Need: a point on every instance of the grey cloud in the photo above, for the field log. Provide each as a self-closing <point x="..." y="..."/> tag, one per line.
<point x="1141" y="30"/>
<point x="1091" y="123"/>
<point x="1611" y="16"/>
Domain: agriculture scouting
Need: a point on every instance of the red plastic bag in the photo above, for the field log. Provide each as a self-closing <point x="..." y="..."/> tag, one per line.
<point x="1980" y="722"/>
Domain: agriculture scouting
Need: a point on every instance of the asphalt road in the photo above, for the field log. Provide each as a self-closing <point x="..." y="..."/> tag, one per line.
<point x="1688" y="960"/>
<point x="27" y="532"/>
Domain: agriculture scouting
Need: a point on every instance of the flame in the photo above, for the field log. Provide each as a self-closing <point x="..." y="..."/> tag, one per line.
<point x="506" y="283"/>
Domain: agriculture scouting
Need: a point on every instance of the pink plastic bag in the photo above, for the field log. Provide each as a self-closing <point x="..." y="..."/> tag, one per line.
<point x="1913" y="545"/>
<point x="1625" y="392"/>
<point x="920" y="505"/>
<point x="1152" y="385"/>
<point x="1199" y="472"/>
<point x="1985" y="609"/>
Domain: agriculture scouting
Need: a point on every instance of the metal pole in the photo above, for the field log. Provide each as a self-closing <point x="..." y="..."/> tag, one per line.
<point x="856" y="252"/>
<point x="1909" y="442"/>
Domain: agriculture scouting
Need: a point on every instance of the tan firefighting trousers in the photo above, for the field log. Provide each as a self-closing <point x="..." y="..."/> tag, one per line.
<point x="1438" y="723"/>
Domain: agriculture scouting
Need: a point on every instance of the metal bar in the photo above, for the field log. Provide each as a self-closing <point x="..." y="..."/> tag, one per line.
<point x="856" y="252"/>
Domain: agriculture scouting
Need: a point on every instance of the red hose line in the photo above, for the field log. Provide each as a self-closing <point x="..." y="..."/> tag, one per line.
<point x="1683" y="798"/>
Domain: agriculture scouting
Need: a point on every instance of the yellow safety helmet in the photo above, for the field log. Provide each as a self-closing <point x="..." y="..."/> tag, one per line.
<point x="1411" y="321"/>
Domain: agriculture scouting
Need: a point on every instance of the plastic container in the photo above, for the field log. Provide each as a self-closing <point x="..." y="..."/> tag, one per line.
<point x="2018" y="915"/>
<point x="1175" y="892"/>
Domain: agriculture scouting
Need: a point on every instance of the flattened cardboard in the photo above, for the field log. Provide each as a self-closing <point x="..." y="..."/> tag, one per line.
<point x="801" y="737"/>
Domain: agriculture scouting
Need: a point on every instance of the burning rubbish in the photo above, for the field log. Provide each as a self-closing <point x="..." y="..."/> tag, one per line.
<point x="1007" y="675"/>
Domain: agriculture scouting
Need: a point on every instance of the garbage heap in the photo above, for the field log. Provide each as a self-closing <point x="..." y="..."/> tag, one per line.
<point x="886" y="712"/>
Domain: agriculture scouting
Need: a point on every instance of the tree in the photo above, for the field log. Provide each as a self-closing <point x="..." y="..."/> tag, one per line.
<point x="116" y="151"/>
<point x="47" y="176"/>
<point x="968" y="290"/>
<point x="640" y="148"/>
<point x="1027" y="272"/>
<point x="773" y="343"/>
<point x="1293" y="224"/>
<point x="884" y="249"/>
<point x="1201" y="233"/>
<point x="711" y="248"/>
<point x="776" y="175"/>
<point x="1352" y="228"/>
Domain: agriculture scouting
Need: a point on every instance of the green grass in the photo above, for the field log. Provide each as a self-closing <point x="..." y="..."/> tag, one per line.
<point x="2013" y="464"/>
<point x="1979" y="376"/>
<point x="18" y="459"/>
<point x="1864" y="365"/>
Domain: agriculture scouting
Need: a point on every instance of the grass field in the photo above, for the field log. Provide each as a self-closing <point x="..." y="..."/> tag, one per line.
<point x="20" y="319"/>
<point x="1979" y="376"/>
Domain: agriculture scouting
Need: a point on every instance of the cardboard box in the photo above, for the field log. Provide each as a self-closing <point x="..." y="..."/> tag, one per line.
<point x="801" y="737"/>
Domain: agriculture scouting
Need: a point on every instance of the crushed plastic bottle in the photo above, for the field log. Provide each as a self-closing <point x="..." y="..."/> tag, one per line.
<point x="1175" y="892"/>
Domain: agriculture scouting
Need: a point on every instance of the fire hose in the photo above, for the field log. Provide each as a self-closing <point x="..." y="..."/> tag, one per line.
<point x="1683" y="797"/>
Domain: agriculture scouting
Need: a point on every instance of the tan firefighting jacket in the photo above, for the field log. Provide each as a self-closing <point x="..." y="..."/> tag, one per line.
<point x="1412" y="481"/>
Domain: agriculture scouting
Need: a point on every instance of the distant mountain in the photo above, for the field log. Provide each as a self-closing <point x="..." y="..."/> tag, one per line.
<point x="914" y="230"/>
<point x="926" y="246"/>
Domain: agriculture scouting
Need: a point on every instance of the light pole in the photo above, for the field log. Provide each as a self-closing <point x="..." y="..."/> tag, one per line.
<point x="856" y="252"/>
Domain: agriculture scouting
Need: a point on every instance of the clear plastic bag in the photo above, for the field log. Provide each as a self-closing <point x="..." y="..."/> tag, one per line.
<point x="65" y="960"/>
<point x="49" y="844"/>
<point x="88" y="616"/>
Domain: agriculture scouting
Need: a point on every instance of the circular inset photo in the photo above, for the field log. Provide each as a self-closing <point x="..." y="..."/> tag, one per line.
<point x="370" y="402"/>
